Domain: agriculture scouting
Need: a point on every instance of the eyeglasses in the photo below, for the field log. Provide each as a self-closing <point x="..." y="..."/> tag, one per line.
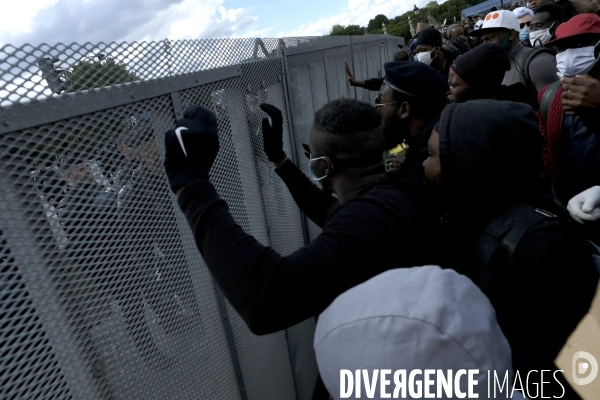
<point x="523" y="24"/>
<point x="379" y="103"/>
<point x="316" y="175"/>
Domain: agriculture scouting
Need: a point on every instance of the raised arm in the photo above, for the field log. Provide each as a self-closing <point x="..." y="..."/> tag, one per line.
<point x="311" y="200"/>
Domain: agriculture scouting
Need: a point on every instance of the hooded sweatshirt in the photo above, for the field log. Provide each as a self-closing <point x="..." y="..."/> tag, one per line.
<point x="490" y="154"/>
<point x="421" y="318"/>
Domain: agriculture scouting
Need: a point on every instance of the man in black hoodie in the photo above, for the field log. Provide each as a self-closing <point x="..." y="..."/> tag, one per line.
<point x="364" y="228"/>
<point x="500" y="228"/>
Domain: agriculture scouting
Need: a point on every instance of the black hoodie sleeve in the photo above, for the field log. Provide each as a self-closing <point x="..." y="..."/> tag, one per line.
<point x="311" y="200"/>
<point x="272" y="292"/>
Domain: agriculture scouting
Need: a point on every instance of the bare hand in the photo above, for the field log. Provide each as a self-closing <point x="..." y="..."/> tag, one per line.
<point x="349" y="74"/>
<point x="581" y="92"/>
<point x="393" y="161"/>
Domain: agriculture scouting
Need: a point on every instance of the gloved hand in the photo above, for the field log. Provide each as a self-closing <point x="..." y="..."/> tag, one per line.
<point x="585" y="207"/>
<point x="191" y="148"/>
<point x="273" y="134"/>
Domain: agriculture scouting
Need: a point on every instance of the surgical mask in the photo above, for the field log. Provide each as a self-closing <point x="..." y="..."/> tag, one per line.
<point x="578" y="61"/>
<point x="425" y="58"/>
<point x="524" y="34"/>
<point x="541" y="37"/>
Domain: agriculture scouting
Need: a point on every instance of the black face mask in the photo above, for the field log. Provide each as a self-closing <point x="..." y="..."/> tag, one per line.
<point x="395" y="131"/>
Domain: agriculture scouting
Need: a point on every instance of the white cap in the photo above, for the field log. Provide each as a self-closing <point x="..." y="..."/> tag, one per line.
<point x="478" y="24"/>
<point x="520" y="12"/>
<point x="407" y="319"/>
<point x="501" y="19"/>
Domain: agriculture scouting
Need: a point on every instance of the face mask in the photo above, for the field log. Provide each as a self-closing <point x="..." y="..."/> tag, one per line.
<point x="505" y="43"/>
<point x="541" y="37"/>
<point x="577" y="61"/>
<point x="524" y="34"/>
<point x="425" y="58"/>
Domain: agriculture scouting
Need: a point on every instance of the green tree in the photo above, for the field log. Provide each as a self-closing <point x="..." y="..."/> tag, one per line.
<point x="341" y="30"/>
<point x="87" y="75"/>
<point x="375" y="23"/>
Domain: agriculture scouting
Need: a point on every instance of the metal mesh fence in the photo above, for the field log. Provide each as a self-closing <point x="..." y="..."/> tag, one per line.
<point x="103" y="292"/>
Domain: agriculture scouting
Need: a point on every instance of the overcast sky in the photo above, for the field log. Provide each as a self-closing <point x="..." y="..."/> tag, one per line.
<point x="67" y="21"/>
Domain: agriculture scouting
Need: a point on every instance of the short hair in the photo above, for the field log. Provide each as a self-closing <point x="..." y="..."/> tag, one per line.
<point x="401" y="55"/>
<point x="556" y="12"/>
<point x="353" y="128"/>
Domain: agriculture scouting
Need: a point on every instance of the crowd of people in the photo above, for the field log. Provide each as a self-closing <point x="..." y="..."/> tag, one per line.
<point x="499" y="185"/>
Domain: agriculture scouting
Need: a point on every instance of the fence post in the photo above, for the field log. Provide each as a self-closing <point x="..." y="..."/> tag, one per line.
<point x="353" y="67"/>
<point x="288" y="109"/>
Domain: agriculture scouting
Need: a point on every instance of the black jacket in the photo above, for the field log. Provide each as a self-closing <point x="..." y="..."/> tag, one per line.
<point x="375" y="231"/>
<point x="490" y="161"/>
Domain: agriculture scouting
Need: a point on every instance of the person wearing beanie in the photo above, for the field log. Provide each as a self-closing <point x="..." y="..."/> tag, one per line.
<point x="501" y="228"/>
<point x="421" y="318"/>
<point x="412" y="96"/>
<point x="479" y="74"/>
<point x="428" y="50"/>
<point x="524" y="16"/>
<point x="457" y="38"/>
<point x="534" y="70"/>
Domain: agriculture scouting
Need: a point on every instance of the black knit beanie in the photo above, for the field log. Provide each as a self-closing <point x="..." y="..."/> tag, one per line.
<point x="482" y="68"/>
<point x="430" y="37"/>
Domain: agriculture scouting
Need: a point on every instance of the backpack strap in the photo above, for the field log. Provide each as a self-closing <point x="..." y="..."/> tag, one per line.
<point x="524" y="218"/>
<point x="546" y="100"/>
<point x="525" y="76"/>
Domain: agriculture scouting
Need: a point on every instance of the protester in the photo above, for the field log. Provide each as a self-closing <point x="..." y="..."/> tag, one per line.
<point x="524" y="16"/>
<point x="536" y="3"/>
<point x="569" y="116"/>
<point x="362" y="228"/>
<point x="501" y="228"/>
<point x="479" y="75"/>
<point x="403" y="319"/>
<point x="456" y="37"/>
<point x="546" y="20"/>
<point x="410" y="99"/>
<point x="534" y="70"/>
<point x="428" y="50"/>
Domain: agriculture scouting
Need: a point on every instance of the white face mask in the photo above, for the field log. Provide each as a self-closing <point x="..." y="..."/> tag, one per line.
<point x="577" y="61"/>
<point x="425" y="57"/>
<point x="540" y="38"/>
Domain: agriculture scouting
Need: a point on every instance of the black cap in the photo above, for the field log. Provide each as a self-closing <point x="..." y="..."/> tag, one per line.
<point x="430" y="37"/>
<point x="415" y="79"/>
<point x="482" y="68"/>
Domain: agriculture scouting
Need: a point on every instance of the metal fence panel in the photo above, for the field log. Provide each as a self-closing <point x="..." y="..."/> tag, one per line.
<point x="103" y="292"/>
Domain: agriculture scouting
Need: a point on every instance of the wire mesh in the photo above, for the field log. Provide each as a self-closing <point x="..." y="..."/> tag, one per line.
<point x="103" y="292"/>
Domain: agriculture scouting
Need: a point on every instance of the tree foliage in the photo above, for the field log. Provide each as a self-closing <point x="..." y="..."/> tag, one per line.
<point x="375" y="23"/>
<point x="93" y="74"/>
<point x="398" y="26"/>
<point x="341" y="30"/>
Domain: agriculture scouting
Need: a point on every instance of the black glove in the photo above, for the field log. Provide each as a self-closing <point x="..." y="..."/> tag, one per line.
<point x="199" y="136"/>
<point x="273" y="135"/>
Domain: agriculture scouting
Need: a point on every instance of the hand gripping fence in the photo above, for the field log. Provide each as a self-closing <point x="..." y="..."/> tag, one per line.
<point x="103" y="292"/>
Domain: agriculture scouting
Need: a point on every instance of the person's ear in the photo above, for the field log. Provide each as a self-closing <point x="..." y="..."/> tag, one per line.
<point x="404" y="110"/>
<point x="512" y="35"/>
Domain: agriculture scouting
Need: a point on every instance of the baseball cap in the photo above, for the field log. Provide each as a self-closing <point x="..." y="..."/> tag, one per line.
<point x="501" y="19"/>
<point x="411" y="318"/>
<point x="581" y="24"/>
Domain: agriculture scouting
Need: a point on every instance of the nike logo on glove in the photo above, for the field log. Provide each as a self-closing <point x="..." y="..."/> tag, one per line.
<point x="178" y="133"/>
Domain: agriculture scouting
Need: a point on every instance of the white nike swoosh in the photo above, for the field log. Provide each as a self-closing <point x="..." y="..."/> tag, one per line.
<point x="178" y="133"/>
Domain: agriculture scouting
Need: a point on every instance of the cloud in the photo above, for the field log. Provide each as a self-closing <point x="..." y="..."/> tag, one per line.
<point x="357" y="12"/>
<point x="67" y="21"/>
